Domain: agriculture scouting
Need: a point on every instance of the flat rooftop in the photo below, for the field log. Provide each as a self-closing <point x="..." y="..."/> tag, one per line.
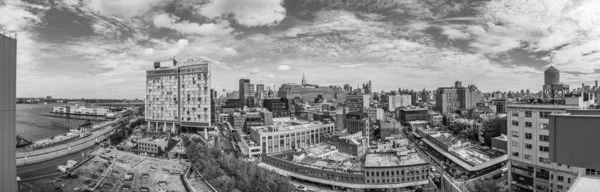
<point x="392" y="160"/>
<point x="468" y="151"/>
<point x="288" y="126"/>
<point x="585" y="184"/>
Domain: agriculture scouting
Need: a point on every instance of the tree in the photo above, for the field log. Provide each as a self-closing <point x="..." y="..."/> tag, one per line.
<point x="493" y="128"/>
<point x="484" y="186"/>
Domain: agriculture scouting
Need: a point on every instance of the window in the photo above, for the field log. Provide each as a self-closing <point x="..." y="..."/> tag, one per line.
<point x="528" y="146"/>
<point x="515" y="134"/>
<point x="544" y="148"/>
<point x="544" y="160"/>
<point x="527" y="156"/>
<point x="544" y="138"/>
<point x="544" y="115"/>
<point x="515" y="143"/>
<point x="515" y="123"/>
<point x="527" y="113"/>
<point x="528" y="136"/>
<point x="592" y="172"/>
<point x="559" y="187"/>
<point x="528" y="124"/>
<point x="516" y="154"/>
<point x="544" y="126"/>
<point x="515" y="113"/>
<point x="560" y="178"/>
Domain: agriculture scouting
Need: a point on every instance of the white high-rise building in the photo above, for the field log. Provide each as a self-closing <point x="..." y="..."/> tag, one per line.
<point x="8" y="74"/>
<point x="395" y="101"/>
<point x="178" y="95"/>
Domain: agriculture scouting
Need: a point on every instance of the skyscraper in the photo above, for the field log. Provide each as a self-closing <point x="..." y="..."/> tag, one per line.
<point x="246" y="92"/>
<point x="8" y="74"/>
<point x="178" y="95"/>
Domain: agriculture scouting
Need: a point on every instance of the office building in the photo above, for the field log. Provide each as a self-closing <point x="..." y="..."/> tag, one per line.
<point x="357" y="103"/>
<point x="413" y="114"/>
<point x="246" y="93"/>
<point x="357" y="122"/>
<point x="8" y="83"/>
<point x="395" y="101"/>
<point x="152" y="146"/>
<point x="499" y="105"/>
<point x="260" y="94"/>
<point x="390" y="127"/>
<point x="450" y="99"/>
<point x="279" y="107"/>
<point x="289" y="135"/>
<point x="374" y="113"/>
<point x="234" y="95"/>
<point x="178" y="96"/>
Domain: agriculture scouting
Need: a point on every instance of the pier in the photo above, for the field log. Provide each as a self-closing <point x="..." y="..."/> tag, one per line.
<point x="75" y="117"/>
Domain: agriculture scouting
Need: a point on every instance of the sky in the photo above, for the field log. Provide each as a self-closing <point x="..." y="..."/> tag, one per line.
<point x="101" y="48"/>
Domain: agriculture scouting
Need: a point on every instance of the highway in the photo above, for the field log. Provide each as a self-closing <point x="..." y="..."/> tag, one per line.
<point x="50" y="166"/>
<point x="37" y="156"/>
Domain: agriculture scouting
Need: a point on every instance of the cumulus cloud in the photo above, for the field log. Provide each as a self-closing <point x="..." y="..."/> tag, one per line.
<point x="15" y="17"/>
<point x="247" y="13"/>
<point x="122" y="8"/>
<point x="284" y="68"/>
<point x="186" y="27"/>
<point x="254" y="71"/>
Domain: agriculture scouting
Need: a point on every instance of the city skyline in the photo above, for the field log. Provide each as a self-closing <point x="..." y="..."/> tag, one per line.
<point x="496" y="45"/>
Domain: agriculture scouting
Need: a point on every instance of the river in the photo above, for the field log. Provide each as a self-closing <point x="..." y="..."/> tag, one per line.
<point x="32" y="126"/>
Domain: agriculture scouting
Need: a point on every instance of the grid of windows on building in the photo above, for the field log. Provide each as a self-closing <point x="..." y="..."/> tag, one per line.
<point x="592" y="172"/>
<point x="162" y="96"/>
<point x="194" y="95"/>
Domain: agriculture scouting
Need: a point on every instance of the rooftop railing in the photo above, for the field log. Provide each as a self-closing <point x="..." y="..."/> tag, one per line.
<point x="8" y="33"/>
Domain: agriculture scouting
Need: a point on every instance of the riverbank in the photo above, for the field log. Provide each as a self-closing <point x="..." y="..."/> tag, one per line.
<point x="37" y="156"/>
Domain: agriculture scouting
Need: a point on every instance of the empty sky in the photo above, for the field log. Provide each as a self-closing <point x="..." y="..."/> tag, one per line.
<point x="101" y="48"/>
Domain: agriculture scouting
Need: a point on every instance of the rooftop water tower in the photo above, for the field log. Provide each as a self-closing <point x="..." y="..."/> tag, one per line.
<point x="551" y="76"/>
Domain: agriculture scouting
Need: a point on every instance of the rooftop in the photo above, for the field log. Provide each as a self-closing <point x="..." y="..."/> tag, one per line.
<point x="391" y="160"/>
<point x="584" y="184"/>
<point x="287" y="126"/>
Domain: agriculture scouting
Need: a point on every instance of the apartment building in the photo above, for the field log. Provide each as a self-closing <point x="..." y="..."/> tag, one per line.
<point x="357" y="102"/>
<point x="529" y="149"/>
<point x="376" y="113"/>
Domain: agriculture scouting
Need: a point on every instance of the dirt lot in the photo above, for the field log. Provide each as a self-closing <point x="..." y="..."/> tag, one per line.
<point x="130" y="172"/>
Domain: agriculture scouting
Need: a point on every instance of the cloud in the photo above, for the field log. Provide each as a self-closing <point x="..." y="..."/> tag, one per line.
<point x="247" y="13"/>
<point x="351" y="65"/>
<point x="254" y="71"/>
<point x="15" y="17"/>
<point x="186" y="27"/>
<point x="270" y="76"/>
<point x="284" y="68"/>
<point x="122" y="8"/>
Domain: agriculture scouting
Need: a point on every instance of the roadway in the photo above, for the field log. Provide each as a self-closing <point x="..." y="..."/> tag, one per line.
<point x="37" y="156"/>
<point x="50" y="166"/>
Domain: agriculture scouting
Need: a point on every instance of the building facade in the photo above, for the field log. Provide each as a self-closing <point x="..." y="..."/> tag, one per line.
<point x="246" y="92"/>
<point x="178" y="95"/>
<point x="395" y="101"/>
<point x="413" y="114"/>
<point x="529" y="149"/>
<point x="278" y="138"/>
<point x="376" y="113"/>
<point x="357" y="103"/>
<point x="450" y="99"/>
<point x="8" y="83"/>
<point x="356" y="122"/>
